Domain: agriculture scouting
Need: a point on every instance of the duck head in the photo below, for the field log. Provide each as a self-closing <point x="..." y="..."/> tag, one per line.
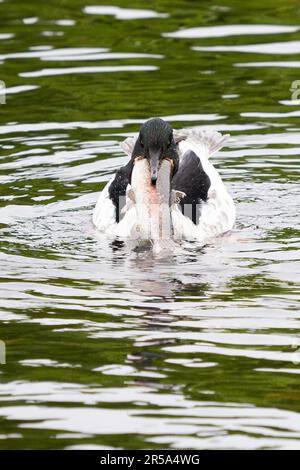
<point x="155" y="142"/>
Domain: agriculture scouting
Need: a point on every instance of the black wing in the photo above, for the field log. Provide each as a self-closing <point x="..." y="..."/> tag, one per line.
<point x="194" y="182"/>
<point x="118" y="187"/>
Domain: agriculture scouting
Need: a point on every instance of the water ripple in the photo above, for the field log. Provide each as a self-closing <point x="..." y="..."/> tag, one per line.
<point x="231" y="30"/>
<point x="123" y="13"/>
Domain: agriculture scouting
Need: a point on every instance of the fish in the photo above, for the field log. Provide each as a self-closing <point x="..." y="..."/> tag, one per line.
<point x="152" y="203"/>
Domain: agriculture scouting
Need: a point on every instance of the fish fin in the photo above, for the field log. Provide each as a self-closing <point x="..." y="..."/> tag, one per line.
<point x="130" y="199"/>
<point x="130" y="194"/>
<point x="127" y="145"/>
<point x="176" y="196"/>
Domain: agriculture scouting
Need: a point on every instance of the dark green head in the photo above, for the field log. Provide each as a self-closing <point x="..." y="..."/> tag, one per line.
<point x="156" y="142"/>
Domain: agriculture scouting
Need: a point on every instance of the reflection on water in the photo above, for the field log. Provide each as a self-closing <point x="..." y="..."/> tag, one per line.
<point x="104" y="69"/>
<point x="109" y="348"/>
<point x="231" y="30"/>
<point x="280" y="48"/>
<point x="123" y="13"/>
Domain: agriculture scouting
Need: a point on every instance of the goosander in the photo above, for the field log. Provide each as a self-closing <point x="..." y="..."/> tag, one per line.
<point x="169" y="190"/>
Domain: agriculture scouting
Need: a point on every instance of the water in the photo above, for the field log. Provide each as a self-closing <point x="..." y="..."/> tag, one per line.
<point x="107" y="348"/>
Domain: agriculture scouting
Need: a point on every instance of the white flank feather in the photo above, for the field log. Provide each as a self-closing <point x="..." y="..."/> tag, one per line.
<point x="218" y="212"/>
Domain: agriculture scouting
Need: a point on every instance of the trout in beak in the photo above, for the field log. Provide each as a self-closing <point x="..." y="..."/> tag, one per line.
<point x="155" y="161"/>
<point x="152" y="201"/>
